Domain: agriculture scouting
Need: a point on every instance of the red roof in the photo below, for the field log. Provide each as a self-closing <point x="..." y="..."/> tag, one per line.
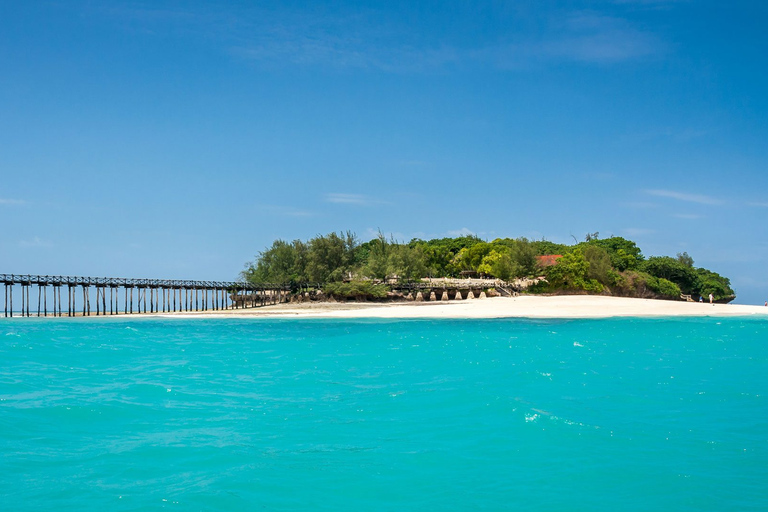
<point x="548" y="259"/>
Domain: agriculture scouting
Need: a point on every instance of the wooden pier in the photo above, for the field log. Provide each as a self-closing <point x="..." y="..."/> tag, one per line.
<point x="138" y="296"/>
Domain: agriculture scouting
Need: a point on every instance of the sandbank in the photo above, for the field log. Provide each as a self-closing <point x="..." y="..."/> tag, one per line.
<point x="568" y="306"/>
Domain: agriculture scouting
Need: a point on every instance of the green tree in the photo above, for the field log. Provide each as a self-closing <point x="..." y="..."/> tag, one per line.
<point x="437" y="259"/>
<point x="331" y="257"/>
<point x="712" y="282"/>
<point x="672" y="270"/>
<point x="545" y="247"/>
<point x="624" y="254"/>
<point x="600" y="267"/>
<point x="283" y="262"/>
<point x="377" y="265"/>
<point x="524" y="257"/>
<point x="499" y="264"/>
<point x="571" y="272"/>
<point x="405" y="262"/>
<point x="470" y="258"/>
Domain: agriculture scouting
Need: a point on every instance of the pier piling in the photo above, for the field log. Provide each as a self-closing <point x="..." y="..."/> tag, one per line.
<point x="164" y="295"/>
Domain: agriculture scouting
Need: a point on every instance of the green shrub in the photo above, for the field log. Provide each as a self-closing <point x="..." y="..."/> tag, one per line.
<point x="358" y="290"/>
<point x="663" y="287"/>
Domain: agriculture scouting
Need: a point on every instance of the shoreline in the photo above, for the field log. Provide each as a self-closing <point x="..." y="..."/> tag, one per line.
<point x="528" y="306"/>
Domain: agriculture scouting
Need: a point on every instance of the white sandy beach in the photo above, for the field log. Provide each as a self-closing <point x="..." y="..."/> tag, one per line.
<point x="571" y="306"/>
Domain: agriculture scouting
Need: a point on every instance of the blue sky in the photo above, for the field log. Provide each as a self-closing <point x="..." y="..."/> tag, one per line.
<point x="177" y="139"/>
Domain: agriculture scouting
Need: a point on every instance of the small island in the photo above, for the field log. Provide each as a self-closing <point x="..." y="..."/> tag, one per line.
<point x="338" y="267"/>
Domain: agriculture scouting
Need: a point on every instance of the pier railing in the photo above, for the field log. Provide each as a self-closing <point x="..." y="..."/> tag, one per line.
<point x="161" y="295"/>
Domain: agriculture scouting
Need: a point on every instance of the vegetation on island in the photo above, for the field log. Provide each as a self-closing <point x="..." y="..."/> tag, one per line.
<point x="343" y="266"/>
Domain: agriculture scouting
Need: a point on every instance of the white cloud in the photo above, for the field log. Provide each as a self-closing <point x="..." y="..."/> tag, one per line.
<point x="644" y="205"/>
<point x="12" y="202"/>
<point x="286" y="211"/>
<point x="359" y="42"/>
<point x="589" y="37"/>
<point x="758" y="204"/>
<point x="688" y="216"/>
<point x="34" y="242"/>
<point x="352" y="199"/>
<point x="362" y="38"/>
<point x="684" y="196"/>
<point x="460" y="232"/>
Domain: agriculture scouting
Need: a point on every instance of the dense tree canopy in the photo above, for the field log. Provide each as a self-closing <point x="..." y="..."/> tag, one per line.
<point x="613" y="265"/>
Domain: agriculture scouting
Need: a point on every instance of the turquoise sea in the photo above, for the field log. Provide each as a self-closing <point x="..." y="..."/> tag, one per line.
<point x="204" y="414"/>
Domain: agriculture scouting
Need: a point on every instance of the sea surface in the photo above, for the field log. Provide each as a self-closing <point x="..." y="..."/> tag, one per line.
<point x="255" y="414"/>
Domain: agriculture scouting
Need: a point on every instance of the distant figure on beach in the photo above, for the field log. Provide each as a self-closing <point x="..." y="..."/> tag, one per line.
<point x="711" y="299"/>
<point x="701" y="299"/>
<point x="766" y="303"/>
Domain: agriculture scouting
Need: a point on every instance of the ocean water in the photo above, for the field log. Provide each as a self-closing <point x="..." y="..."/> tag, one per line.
<point x="619" y="414"/>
